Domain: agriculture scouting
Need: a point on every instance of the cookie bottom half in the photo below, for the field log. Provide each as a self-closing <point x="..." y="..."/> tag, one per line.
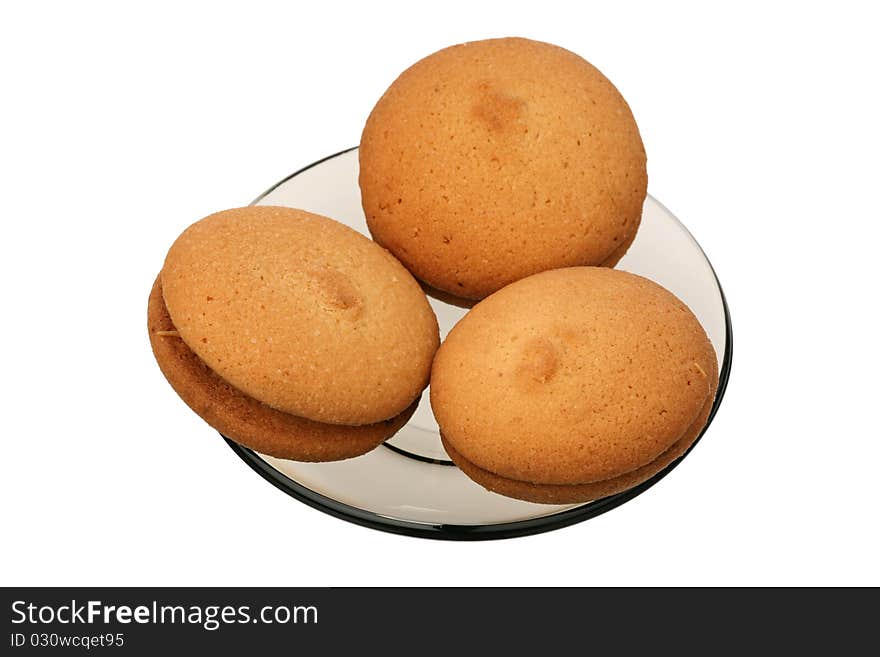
<point x="244" y="419"/>
<point x="461" y="302"/>
<point x="578" y="493"/>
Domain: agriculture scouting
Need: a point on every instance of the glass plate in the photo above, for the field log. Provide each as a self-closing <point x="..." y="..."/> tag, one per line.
<point x="408" y="485"/>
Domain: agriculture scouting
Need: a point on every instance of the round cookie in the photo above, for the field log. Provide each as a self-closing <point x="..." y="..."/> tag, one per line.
<point x="244" y="419"/>
<point x="301" y="313"/>
<point x="493" y="160"/>
<point x="573" y="384"/>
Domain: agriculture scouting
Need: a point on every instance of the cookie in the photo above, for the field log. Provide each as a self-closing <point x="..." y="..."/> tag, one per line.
<point x="493" y="160"/>
<point x="246" y="420"/>
<point x="573" y="384"/>
<point x="291" y="333"/>
<point x="301" y="313"/>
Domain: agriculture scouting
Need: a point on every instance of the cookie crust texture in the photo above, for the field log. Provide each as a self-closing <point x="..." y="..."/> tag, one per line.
<point x="493" y="160"/>
<point x="301" y="313"/>
<point x="572" y="377"/>
<point x="577" y="493"/>
<point x="246" y="420"/>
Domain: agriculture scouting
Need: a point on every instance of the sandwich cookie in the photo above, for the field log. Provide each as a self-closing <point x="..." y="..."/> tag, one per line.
<point x="573" y="384"/>
<point x="290" y="333"/>
<point x="493" y="160"/>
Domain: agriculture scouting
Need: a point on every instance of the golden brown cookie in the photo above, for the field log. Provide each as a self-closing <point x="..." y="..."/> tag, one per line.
<point x="493" y="160"/>
<point x="301" y="313"/>
<point x="572" y="384"/>
<point x="246" y="420"/>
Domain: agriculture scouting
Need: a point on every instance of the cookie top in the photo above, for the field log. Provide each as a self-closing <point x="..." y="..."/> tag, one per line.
<point x="492" y="160"/>
<point x="301" y="313"/>
<point x="572" y="376"/>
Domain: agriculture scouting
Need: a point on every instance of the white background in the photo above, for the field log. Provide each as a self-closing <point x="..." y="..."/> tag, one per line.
<point x="121" y="126"/>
